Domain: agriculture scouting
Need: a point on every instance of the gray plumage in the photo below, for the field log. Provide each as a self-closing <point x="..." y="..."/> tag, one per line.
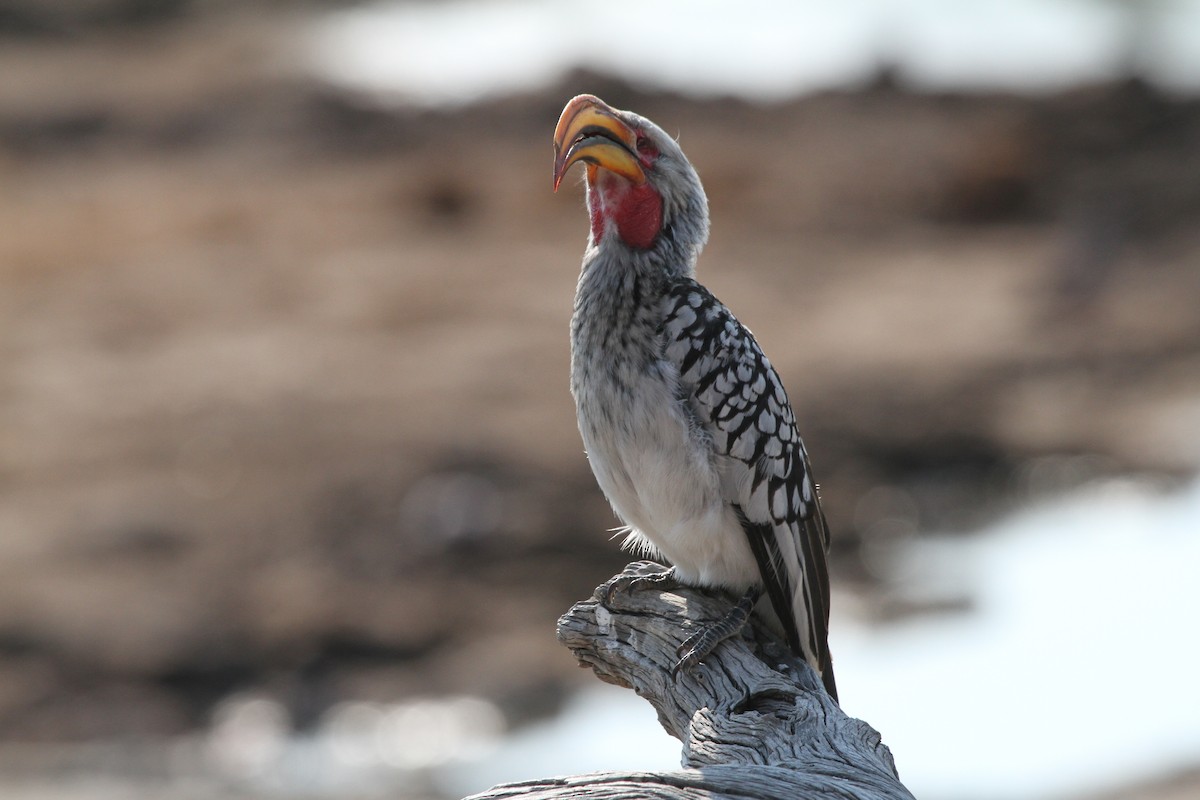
<point x="686" y="424"/>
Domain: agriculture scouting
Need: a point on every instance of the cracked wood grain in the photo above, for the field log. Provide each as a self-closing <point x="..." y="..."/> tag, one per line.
<point x="754" y="720"/>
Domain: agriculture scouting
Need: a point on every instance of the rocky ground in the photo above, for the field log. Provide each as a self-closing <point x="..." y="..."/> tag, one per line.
<point x="283" y="395"/>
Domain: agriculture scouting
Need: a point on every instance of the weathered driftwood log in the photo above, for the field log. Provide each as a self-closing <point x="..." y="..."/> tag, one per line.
<point x="753" y="719"/>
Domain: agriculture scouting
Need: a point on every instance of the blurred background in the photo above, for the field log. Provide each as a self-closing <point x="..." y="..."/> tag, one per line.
<point x="291" y="493"/>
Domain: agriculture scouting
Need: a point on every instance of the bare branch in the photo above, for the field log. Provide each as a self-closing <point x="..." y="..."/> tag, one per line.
<point x="754" y="720"/>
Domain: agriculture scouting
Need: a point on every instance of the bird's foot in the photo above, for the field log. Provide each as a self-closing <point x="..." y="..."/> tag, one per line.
<point x="638" y="576"/>
<point x="697" y="647"/>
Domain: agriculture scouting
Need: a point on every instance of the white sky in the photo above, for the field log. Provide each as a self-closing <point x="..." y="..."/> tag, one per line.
<point x="460" y="50"/>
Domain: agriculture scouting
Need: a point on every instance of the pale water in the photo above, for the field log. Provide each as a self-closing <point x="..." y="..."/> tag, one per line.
<point x="1070" y="668"/>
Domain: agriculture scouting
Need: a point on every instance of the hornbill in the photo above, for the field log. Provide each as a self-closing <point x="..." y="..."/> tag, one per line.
<point x="686" y="424"/>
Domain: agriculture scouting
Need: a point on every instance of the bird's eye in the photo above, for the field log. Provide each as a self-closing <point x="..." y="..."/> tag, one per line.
<point x="644" y="145"/>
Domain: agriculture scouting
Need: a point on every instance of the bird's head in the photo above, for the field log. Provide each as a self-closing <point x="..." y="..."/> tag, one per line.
<point x="643" y="193"/>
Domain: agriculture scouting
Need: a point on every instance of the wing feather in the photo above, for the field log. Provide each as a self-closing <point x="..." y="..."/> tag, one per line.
<point x="737" y="396"/>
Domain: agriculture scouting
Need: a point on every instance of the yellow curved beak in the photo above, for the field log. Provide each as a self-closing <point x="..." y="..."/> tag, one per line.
<point x="588" y="130"/>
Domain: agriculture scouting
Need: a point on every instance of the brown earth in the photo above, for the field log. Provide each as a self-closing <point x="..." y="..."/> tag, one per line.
<point x="283" y="396"/>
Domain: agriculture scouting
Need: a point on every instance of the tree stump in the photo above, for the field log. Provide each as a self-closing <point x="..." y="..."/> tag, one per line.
<point x="754" y="720"/>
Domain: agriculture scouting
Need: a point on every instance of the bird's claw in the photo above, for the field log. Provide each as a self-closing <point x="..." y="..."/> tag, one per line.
<point x="695" y="648"/>
<point x="663" y="578"/>
<point x="692" y="650"/>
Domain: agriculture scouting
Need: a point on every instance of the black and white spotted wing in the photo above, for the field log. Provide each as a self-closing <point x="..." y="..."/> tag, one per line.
<point x="735" y="393"/>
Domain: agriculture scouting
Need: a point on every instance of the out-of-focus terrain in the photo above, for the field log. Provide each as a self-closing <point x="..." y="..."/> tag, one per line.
<point x="283" y="393"/>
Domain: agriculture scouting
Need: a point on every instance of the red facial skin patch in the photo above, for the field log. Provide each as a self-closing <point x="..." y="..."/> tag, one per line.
<point x="636" y="210"/>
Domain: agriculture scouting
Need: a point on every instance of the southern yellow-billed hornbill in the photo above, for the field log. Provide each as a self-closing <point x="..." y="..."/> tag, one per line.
<point x="686" y="423"/>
